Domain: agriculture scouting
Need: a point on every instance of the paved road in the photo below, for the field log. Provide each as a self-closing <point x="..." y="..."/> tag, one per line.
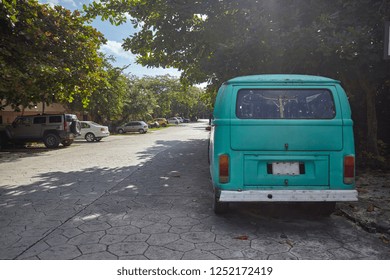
<point x="148" y="197"/>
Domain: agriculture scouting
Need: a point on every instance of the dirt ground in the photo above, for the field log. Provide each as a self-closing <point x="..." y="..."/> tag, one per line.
<point x="372" y="211"/>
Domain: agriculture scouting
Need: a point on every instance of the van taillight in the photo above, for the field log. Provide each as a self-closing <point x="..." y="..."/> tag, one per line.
<point x="349" y="169"/>
<point x="223" y="168"/>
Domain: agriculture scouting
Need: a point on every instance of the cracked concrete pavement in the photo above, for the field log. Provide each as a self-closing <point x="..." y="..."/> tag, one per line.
<point x="149" y="197"/>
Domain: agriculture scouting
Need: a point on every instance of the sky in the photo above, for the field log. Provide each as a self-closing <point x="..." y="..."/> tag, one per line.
<point x="115" y="36"/>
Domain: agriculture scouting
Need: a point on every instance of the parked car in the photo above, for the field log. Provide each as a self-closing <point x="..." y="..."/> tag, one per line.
<point x="180" y="119"/>
<point x="162" y="121"/>
<point x="50" y="129"/>
<point x="173" y="120"/>
<point x="185" y="120"/>
<point x="133" y="126"/>
<point x="153" y="124"/>
<point x="92" y="131"/>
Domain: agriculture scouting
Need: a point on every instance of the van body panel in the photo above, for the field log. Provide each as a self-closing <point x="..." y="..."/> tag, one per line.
<point x="284" y="135"/>
<point x="307" y="170"/>
<point x="276" y="134"/>
<point x="288" y="196"/>
<point x="291" y="153"/>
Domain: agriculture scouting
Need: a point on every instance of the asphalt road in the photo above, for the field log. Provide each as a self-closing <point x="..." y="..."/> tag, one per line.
<point x="149" y="197"/>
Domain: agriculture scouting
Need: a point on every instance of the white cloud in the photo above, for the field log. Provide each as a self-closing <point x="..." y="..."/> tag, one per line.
<point x="115" y="48"/>
<point x="125" y="58"/>
<point x="65" y="3"/>
<point x="51" y="3"/>
<point x="73" y="3"/>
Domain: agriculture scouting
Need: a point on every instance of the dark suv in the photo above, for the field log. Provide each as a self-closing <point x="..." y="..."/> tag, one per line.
<point x="49" y="129"/>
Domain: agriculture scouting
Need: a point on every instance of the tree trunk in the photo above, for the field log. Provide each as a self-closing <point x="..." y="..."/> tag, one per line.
<point x="372" y="121"/>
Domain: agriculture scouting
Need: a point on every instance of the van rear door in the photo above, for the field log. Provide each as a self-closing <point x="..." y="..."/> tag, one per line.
<point x="285" y="134"/>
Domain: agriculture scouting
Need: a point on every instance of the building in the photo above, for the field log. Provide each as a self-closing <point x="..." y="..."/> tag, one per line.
<point x="8" y="115"/>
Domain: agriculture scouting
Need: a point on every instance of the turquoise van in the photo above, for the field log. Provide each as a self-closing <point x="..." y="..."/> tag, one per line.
<point x="282" y="138"/>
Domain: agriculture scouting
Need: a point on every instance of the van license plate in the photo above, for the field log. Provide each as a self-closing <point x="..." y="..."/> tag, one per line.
<point x="285" y="168"/>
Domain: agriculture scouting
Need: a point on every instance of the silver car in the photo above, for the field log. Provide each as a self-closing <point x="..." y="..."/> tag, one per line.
<point x="133" y="126"/>
<point x="173" y="120"/>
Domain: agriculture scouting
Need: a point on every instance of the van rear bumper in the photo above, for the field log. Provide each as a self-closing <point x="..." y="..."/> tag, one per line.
<point x="288" y="195"/>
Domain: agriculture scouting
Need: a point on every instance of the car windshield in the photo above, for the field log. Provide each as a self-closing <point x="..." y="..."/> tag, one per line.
<point x="285" y="104"/>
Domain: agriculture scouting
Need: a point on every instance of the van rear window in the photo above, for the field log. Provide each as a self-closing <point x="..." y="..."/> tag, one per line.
<point x="285" y="104"/>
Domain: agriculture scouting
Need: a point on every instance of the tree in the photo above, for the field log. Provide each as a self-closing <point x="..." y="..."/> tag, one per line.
<point x="217" y="40"/>
<point x="139" y="100"/>
<point x="106" y="102"/>
<point x="46" y="54"/>
<point x="163" y="88"/>
<point x="353" y="39"/>
<point x="161" y="96"/>
<point x="190" y="102"/>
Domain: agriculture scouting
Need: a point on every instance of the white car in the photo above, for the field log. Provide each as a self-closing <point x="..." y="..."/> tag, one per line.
<point x="173" y="120"/>
<point x="92" y="131"/>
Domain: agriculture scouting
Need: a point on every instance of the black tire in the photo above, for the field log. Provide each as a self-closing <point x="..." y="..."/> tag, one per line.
<point x="3" y="140"/>
<point x="98" y="139"/>
<point x="51" y="140"/>
<point x="219" y="207"/>
<point x="67" y="142"/>
<point x="90" y="137"/>
<point x="121" y="131"/>
<point x="141" y="130"/>
<point x="75" y="127"/>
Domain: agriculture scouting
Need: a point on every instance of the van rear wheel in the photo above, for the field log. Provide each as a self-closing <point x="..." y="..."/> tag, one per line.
<point x="219" y="207"/>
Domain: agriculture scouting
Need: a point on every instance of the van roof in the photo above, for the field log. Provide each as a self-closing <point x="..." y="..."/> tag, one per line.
<point x="282" y="78"/>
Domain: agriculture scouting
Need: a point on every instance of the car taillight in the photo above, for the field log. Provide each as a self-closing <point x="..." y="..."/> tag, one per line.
<point x="349" y="169"/>
<point x="223" y="168"/>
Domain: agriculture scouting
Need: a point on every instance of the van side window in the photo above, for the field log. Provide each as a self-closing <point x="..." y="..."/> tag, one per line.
<point x="285" y="104"/>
